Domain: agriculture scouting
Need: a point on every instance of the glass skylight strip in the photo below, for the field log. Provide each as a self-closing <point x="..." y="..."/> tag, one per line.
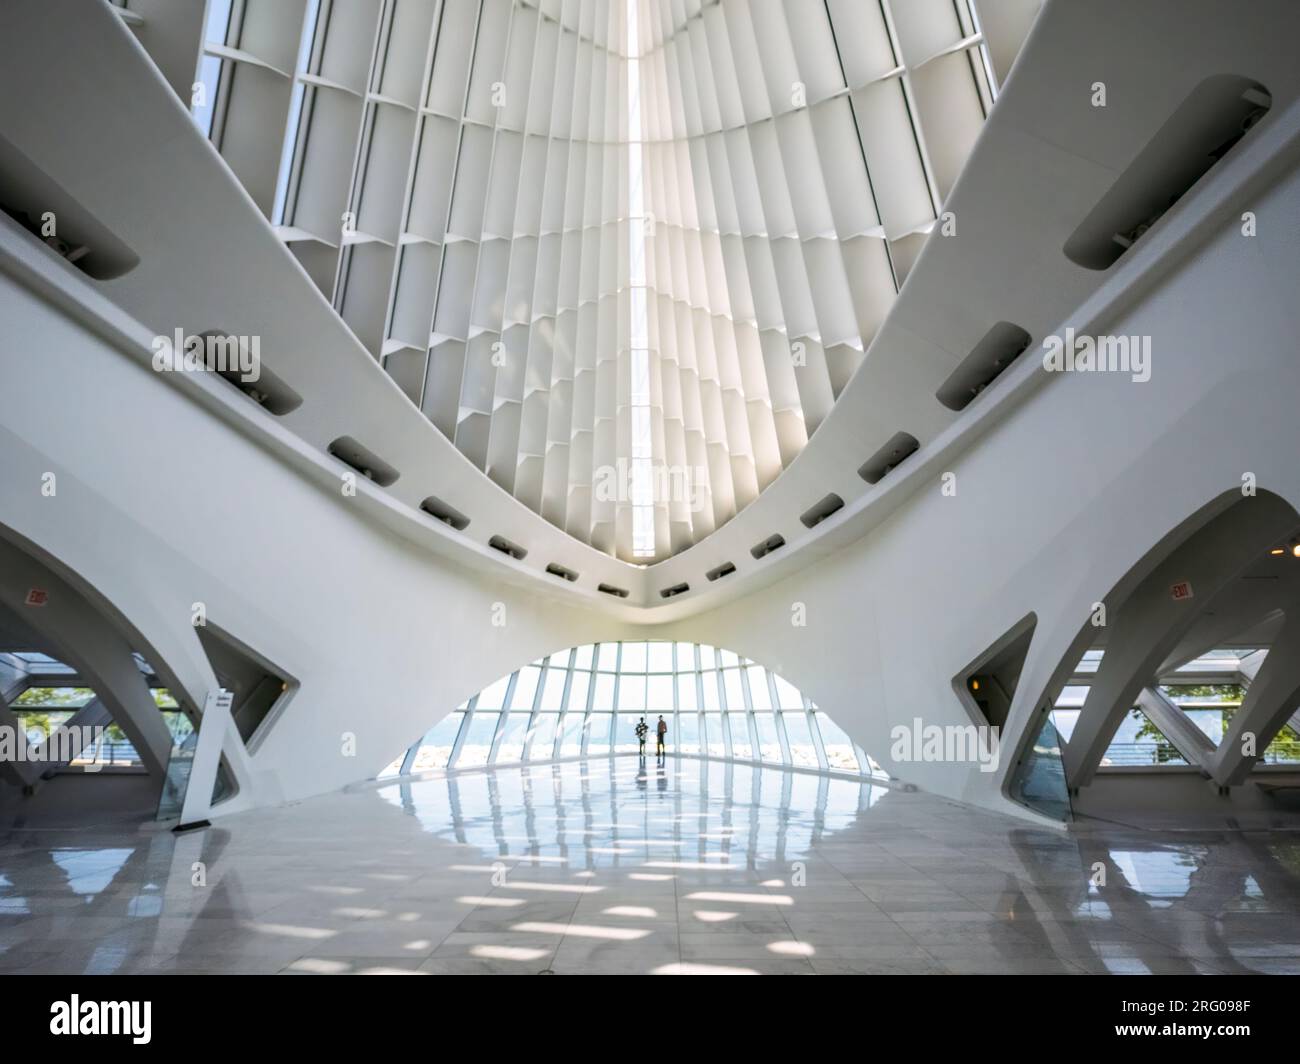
<point x="642" y="485"/>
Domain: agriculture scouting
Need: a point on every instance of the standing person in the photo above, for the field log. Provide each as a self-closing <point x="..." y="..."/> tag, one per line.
<point x="660" y="731"/>
<point x="642" y="730"/>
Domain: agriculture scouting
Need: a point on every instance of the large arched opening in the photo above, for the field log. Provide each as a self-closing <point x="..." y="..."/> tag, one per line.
<point x="1180" y="696"/>
<point x="90" y="714"/>
<point x="587" y="701"/>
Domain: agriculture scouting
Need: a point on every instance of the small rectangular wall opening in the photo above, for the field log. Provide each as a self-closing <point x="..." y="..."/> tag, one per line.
<point x="268" y="391"/>
<point x="610" y="589"/>
<point x="725" y="569"/>
<point x="33" y="200"/>
<point x="259" y="689"/>
<point x="228" y="357"/>
<point x="435" y="507"/>
<point x="1206" y="126"/>
<point x="1000" y="346"/>
<point x="563" y="573"/>
<point x="367" y="463"/>
<point x="674" y="591"/>
<point x="773" y="542"/>
<point x="899" y="448"/>
<point x="814" y="516"/>
<point x="506" y="547"/>
<point x="988" y="684"/>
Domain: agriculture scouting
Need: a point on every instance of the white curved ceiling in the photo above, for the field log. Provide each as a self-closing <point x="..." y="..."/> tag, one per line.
<point x="625" y="254"/>
<point x="1044" y="159"/>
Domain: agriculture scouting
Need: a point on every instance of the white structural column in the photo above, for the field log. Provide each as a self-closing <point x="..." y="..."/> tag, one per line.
<point x="1176" y="726"/>
<point x="1146" y="626"/>
<point x="1251" y="666"/>
<point x="1270" y="701"/>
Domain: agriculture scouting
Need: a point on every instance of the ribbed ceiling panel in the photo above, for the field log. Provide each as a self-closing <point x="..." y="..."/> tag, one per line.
<point x="455" y="178"/>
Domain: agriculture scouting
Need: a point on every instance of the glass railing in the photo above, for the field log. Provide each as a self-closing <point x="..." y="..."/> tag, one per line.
<point x="180" y="766"/>
<point x="1154" y="755"/>
<point x="107" y="753"/>
<point x="176" y="780"/>
<point x="1038" y="781"/>
<point x="1130" y="755"/>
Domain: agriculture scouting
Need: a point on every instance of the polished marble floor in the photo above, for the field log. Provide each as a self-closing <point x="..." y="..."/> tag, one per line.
<point x="614" y="866"/>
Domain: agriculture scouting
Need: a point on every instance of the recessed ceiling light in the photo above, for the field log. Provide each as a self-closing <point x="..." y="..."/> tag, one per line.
<point x="1277" y="550"/>
<point x="1296" y="550"/>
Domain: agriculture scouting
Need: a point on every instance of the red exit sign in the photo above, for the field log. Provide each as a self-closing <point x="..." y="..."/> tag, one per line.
<point x="1181" y="590"/>
<point x="37" y="596"/>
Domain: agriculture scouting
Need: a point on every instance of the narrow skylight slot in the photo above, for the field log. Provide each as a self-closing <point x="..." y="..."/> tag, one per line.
<point x="642" y="480"/>
<point x="216" y="27"/>
<point x="295" y="111"/>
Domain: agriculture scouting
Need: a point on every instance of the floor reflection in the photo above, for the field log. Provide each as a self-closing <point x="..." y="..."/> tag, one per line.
<point x="626" y="811"/>
<point x="617" y="865"/>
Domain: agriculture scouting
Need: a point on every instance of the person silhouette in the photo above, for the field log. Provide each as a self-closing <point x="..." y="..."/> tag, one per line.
<point x="661" y="730"/>
<point x="641" y="730"/>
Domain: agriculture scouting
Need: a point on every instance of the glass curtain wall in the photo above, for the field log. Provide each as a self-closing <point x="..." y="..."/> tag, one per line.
<point x="587" y="701"/>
